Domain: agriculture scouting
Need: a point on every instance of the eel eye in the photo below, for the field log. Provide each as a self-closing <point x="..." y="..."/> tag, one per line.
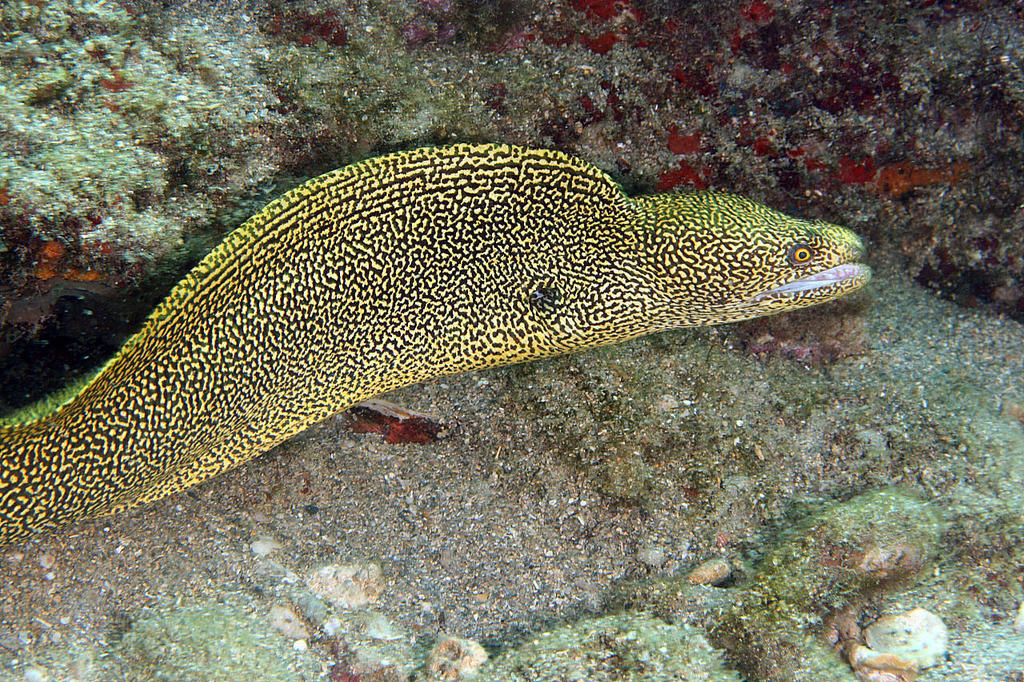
<point x="800" y="254"/>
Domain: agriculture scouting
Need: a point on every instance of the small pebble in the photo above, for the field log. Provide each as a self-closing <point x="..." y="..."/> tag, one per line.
<point x="332" y="626"/>
<point x="652" y="556"/>
<point x="1018" y="622"/>
<point x="711" y="572"/>
<point x="264" y="545"/>
<point x="47" y="560"/>
<point x="284" y="621"/>
<point x="300" y="645"/>
<point x="34" y="673"/>
<point x="918" y="635"/>
<point x="667" y="403"/>
<point x="455" y="659"/>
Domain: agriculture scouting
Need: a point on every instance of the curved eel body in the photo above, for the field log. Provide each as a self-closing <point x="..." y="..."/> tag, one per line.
<point x="393" y="271"/>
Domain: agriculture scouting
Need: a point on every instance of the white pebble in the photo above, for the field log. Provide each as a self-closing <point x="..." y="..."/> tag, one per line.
<point x="652" y="556"/>
<point x="332" y="626"/>
<point x="34" y="673"/>
<point x="918" y="635"/>
<point x="1018" y="622"/>
<point x="667" y="403"/>
<point x="299" y="645"/>
<point x="264" y="545"/>
<point x="284" y="620"/>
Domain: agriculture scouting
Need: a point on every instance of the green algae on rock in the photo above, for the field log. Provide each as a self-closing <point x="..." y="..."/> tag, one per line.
<point x="773" y="625"/>
<point x="107" y="129"/>
<point x="634" y="646"/>
<point x="841" y="555"/>
<point x="876" y="538"/>
<point x="837" y="557"/>
<point x="203" y="643"/>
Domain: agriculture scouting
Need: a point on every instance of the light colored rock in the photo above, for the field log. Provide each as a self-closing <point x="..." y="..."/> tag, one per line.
<point x="264" y="545"/>
<point x="918" y="635"/>
<point x="34" y="673"/>
<point x="1018" y="622"/>
<point x="286" y="622"/>
<point x="454" y="658"/>
<point x="667" y="403"/>
<point x="347" y="586"/>
<point x="874" y="666"/>
<point x="213" y="642"/>
<point x="332" y="626"/>
<point x="376" y="626"/>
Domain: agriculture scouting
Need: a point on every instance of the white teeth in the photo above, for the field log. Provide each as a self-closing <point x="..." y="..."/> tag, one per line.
<point x="824" y="278"/>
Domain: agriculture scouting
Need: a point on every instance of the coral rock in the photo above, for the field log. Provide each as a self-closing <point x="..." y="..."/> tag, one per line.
<point x="918" y="635"/>
<point x="284" y="620"/>
<point x="454" y="658"/>
<point x="347" y="586"/>
<point x="872" y="666"/>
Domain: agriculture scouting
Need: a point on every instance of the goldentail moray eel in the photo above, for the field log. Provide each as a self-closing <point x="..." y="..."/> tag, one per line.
<point x="393" y="271"/>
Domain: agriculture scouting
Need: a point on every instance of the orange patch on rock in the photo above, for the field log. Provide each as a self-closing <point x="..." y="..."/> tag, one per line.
<point x="898" y="179"/>
<point x="51" y="251"/>
<point x="48" y="265"/>
<point x="83" y="275"/>
<point x="44" y="271"/>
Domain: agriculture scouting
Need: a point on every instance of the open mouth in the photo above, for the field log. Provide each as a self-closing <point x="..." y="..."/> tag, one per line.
<point x="831" y="279"/>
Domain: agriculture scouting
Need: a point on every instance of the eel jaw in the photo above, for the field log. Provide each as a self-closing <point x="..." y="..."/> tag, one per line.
<point x="845" y="277"/>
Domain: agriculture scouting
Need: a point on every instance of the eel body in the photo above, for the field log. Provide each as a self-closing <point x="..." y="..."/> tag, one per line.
<point x="392" y="271"/>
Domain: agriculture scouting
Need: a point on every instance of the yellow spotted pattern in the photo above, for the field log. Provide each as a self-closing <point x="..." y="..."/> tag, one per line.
<point x="384" y="273"/>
